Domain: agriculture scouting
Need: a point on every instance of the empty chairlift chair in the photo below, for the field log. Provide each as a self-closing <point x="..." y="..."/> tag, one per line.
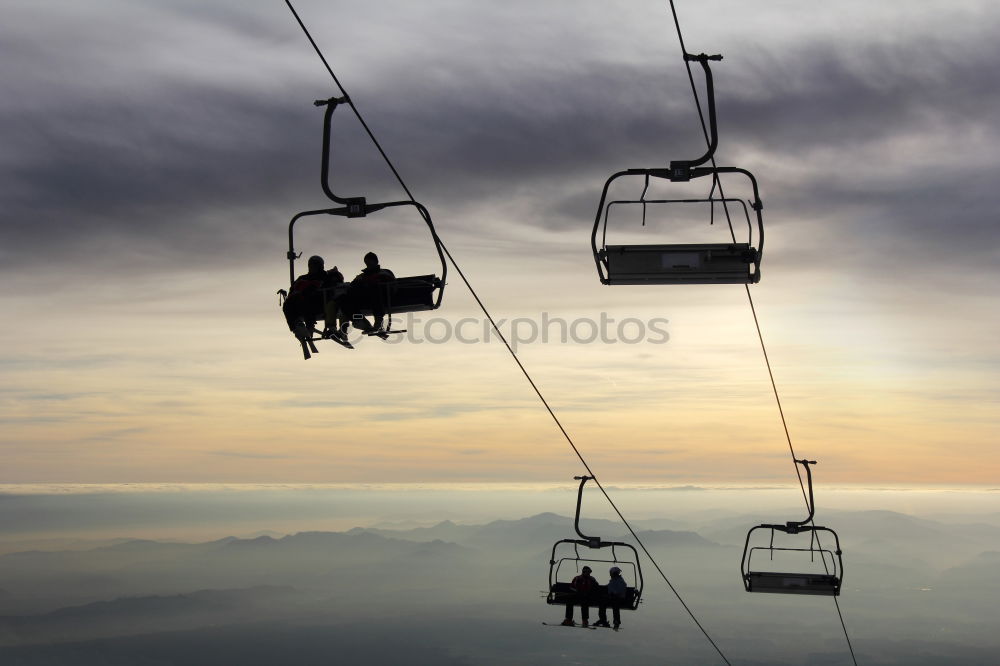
<point x="826" y="583"/>
<point x="565" y="563"/>
<point x="736" y="262"/>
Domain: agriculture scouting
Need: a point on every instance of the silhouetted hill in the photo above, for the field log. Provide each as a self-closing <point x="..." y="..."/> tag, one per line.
<point x="54" y="544"/>
<point x="676" y="539"/>
<point x="980" y="574"/>
<point x="534" y="533"/>
<point x="386" y="582"/>
<point x="130" y="615"/>
<point x="309" y="559"/>
<point x="542" y="527"/>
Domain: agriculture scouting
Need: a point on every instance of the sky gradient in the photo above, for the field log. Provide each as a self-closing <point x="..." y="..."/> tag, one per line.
<point x="153" y="153"/>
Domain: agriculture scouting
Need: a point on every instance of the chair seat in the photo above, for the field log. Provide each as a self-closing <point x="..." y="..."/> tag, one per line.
<point x="715" y="263"/>
<point x="563" y="593"/>
<point x="405" y="294"/>
<point x="792" y="583"/>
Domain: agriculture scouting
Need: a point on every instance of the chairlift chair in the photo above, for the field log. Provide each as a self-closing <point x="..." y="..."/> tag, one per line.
<point x="825" y="584"/>
<point x="737" y="262"/>
<point x="403" y="294"/>
<point x="560" y="592"/>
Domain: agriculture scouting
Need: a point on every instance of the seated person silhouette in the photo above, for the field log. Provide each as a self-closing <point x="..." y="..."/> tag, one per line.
<point x="305" y="301"/>
<point x="585" y="587"/>
<point x="617" y="597"/>
<point x="366" y="291"/>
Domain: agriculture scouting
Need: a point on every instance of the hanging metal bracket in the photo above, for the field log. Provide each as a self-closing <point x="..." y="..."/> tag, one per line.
<point x="680" y="170"/>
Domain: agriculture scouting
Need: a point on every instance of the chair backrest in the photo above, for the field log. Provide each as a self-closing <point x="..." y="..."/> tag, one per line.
<point x="405" y="294"/>
<point x="411" y="294"/>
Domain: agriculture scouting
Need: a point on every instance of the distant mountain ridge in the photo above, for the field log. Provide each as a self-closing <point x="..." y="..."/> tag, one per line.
<point x="144" y="590"/>
<point x="539" y="529"/>
<point x="128" y="615"/>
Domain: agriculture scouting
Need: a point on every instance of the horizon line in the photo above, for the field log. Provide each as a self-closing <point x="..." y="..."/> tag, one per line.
<point x="56" y="488"/>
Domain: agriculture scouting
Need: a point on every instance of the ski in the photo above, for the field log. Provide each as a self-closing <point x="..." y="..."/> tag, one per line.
<point x="343" y="343"/>
<point x="339" y="338"/>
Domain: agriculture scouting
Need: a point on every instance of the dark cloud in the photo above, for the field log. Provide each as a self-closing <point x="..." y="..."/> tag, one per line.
<point x="831" y="96"/>
<point x="171" y="161"/>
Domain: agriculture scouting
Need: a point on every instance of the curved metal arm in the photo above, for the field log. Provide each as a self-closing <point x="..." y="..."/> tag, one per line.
<point x="292" y="256"/>
<point x="597" y="221"/>
<point x="331" y="105"/>
<point x="810" y="505"/>
<point x="438" y="246"/>
<point x="839" y="553"/>
<point x="680" y="167"/>
<point x="796" y="526"/>
<point x="654" y="173"/>
<point x="579" y="501"/>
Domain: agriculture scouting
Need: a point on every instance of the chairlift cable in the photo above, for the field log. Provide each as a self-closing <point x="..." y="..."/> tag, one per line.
<point x="350" y="102"/>
<point x="513" y="354"/>
<point x="718" y="183"/>
<point x="753" y="310"/>
<point x="583" y="460"/>
<point x="784" y="424"/>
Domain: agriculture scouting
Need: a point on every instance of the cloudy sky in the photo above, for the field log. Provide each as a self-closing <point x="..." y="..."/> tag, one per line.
<point x="153" y="153"/>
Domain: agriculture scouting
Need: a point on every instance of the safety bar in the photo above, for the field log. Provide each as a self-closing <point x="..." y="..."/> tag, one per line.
<point x="748" y="551"/>
<point x="345" y="211"/>
<point x="658" y="172"/>
<point x="633" y="563"/>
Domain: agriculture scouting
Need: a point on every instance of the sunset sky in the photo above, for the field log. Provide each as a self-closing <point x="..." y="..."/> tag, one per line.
<point x="153" y="153"/>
